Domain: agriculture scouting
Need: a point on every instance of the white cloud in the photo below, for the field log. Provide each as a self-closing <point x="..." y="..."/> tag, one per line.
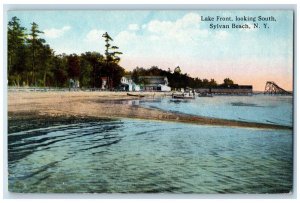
<point x="158" y="27"/>
<point x="56" y="33"/>
<point x="189" y="21"/>
<point x="94" y="41"/>
<point x="128" y="39"/>
<point x="144" y="26"/>
<point x="166" y="40"/>
<point x="94" y="35"/>
<point x="125" y="36"/>
<point x="154" y="38"/>
<point x="133" y="27"/>
<point x="185" y="29"/>
<point x="166" y="33"/>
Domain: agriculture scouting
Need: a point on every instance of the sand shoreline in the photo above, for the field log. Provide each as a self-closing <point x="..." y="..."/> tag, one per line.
<point x="96" y="105"/>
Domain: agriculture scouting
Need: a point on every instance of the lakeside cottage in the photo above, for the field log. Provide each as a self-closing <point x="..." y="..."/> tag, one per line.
<point x="106" y="83"/>
<point x="127" y="84"/>
<point x="155" y="83"/>
<point x="147" y="83"/>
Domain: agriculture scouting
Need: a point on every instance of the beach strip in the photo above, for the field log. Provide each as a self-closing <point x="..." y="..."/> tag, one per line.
<point x="98" y="105"/>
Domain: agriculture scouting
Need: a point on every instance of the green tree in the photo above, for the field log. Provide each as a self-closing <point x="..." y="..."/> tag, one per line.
<point x="16" y="49"/>
<point x="205" y="83"/>
<point x="97" y="62"/>
<point x="111" y="61"/>
<point x="45" y="61"/>
<point x="213" y="83"/>
<point x="111" y="52"/>
<point x="135" y="75"/>
<point x="35" y="44"/>
<point x="177" y="70"/>
<point x="60" y="73"/>
<point x="117" y="73"/>
<point x="74" y="66"/>
<point x="86" y="69"/>
<point x="198" y="83"/>
<point x="228" y="81"/>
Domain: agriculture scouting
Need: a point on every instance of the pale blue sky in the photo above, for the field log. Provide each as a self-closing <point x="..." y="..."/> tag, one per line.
<point x="171" y="38"/>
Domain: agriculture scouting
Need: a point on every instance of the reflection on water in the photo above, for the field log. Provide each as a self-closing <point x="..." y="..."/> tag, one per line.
<point x="244" y="104"/>
<point x="142" y="156"/>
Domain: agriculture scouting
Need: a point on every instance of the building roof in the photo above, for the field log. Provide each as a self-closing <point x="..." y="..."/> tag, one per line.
<point x="234" y="86"/>
<point x="127" y="76"/>
<point x="153" y="77"/>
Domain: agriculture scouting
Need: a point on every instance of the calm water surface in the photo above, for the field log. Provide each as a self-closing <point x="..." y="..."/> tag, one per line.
<point x="147" y="156"/>
<point x="257" y="108"/>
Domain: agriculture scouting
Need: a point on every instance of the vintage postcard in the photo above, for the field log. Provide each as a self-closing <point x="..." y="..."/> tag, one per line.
<point x="150" y="101"/>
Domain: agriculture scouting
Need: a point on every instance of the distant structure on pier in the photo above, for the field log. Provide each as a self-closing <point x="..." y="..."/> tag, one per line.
<point x="223" y="89"/>
<point x="272" y="88"/>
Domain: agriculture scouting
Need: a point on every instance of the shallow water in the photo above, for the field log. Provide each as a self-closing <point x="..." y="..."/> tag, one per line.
<point x="256" y="108"/>
<point x="143" y="156"/>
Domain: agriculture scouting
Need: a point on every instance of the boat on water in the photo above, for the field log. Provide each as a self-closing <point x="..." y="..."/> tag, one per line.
<point x="184" y="95"/>
<point x="135" y="95"/>
<point x="177" y="101"/>
<point x="205" y="95"/>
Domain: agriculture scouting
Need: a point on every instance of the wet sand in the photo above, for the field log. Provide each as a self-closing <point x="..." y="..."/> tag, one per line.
<point x="25" y="106"/>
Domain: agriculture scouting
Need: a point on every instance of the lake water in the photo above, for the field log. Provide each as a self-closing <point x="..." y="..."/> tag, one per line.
<point x="140" y="156"/>
<point x="258" y="108"/>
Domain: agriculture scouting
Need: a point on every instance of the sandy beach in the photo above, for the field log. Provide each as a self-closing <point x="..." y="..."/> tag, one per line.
<point x="104" y="105"/>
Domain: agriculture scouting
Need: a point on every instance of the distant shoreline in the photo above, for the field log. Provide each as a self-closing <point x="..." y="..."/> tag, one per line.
<point x="95" y="105"/>
<point x="60" y="89"/>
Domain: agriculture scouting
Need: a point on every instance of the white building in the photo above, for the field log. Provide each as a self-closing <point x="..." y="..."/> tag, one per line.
<point x="128" y="84"/>
<point x="155" y="83"/>
<point x="165" y="88"/>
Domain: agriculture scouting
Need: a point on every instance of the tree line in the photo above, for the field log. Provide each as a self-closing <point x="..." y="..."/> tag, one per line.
<point x="176" y="78"/>
<point x="32" y="62"/>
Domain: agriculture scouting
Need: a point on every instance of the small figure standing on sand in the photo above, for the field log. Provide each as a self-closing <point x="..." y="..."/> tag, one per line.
<point x="71" y="84"/>
<point x="77" y="85"/>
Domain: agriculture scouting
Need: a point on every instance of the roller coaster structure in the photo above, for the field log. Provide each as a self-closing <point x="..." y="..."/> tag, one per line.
<point x="273" y="88"/>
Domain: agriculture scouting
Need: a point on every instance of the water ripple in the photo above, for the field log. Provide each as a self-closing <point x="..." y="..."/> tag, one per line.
<point x="149" y="157"/>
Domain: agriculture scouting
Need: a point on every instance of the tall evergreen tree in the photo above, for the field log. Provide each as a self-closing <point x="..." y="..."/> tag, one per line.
<point x="35" y="44"/>
<point x="112" y="59"/>
<point x="16" y="37"/>
<point x="45" y="62"/>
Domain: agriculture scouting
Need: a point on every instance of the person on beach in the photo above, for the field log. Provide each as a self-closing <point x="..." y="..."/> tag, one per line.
<point x="71" y="84"/>
<point x="77" y="85"/>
